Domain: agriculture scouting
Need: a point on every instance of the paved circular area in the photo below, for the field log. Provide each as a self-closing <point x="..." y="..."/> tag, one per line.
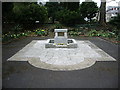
<point x="39" y="64"/>
<point x="61" y="58"/>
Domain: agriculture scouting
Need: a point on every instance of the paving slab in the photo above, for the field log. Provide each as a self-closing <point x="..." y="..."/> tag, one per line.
<point x="84" y="56"/>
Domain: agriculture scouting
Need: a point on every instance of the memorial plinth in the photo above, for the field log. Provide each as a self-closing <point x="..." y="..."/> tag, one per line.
<point x="61" y="41"/>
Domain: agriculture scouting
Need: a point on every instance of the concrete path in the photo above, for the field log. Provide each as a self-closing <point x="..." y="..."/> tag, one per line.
<point x="23" y="75"/>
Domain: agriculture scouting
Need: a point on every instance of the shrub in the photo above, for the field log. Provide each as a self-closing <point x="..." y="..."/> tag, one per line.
<point x="93" y="33"/>
<point x="102" y="33"/>
<point x="40" y="32"/>
<point x="118" y="37"/>
<point x="17" y="28"/>
<point x="57" y="26"/>
<point x="75" y="32"/>
<point x="10" y="36"/>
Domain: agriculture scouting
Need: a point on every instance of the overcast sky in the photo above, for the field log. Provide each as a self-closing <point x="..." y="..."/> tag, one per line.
<point x="112" y="3"/>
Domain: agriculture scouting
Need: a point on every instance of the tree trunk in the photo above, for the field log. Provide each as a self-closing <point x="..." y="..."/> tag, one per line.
<point x="102" y="19"/>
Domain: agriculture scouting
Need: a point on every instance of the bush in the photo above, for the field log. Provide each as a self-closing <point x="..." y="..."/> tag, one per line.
<point x="17" y="28"/>
<point x="40" y="32"/>
<point x="57" y="26"/>
<point x="118" y="37"/>
<point x="102" y="33"/>
<point x="10" y="36"/>
<point x="75" y="32"/>
<point x="93" y="33"/>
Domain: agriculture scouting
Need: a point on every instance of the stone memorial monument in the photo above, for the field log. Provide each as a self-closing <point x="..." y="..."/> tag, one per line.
<point x="60" y="40"/>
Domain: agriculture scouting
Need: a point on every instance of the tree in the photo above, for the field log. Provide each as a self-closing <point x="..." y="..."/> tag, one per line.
<point x="115" y="21"/>
<point x="29" y="13"/>
<point x="88" y="9"/>
<point x="102" y="19"/>
<point x="52" y="7"/>
<point x="68" y="17"/>
<point x="72" y="6"/>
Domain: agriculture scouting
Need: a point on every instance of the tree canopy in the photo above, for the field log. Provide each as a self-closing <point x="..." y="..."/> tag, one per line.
<point x="88" y="9"/>
<point x="30" y="11"/>
<point x="52" y="8"/>
<point x="24" y="12"/>
<point x="69" y="17"/>
<point x="72" y="6"/>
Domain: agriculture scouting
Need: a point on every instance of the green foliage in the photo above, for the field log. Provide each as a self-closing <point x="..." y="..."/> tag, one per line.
<point x="40" y="32"/>
<point x="72" y="6"/>
<point x="90" y="26"/>
<point x="29" y="13"/>
<point x="11" y="36"/>
<point x="75" y="32"/>
<point x="118" y="37"/>
<point x="17" y="28"/>
<point x="88" y="9"/>
<point x="116" y="21"/>
<point x="57" y="26"/>
<point x="68" y="17"/>
<point x="52" y="8"/>
<point x="93" y="32"/>
<point x="102" y="33"/>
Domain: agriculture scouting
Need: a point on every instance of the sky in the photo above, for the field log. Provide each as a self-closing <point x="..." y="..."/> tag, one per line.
<point x="112" y="3"/>
<point x="109" y="2"/>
